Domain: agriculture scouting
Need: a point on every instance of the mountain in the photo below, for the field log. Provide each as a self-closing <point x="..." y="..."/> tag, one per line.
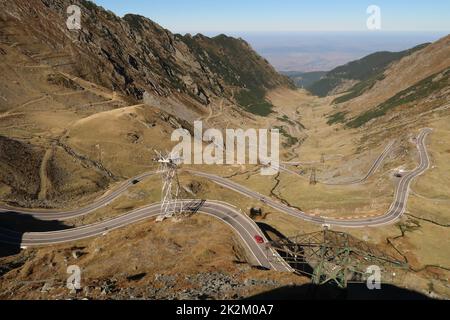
<point x="434" y="88"/>
<point x="76" y="105"/>
<point x="83" y="112"/>
<point x="358" y="76"/>
<point x="304" y="79"/>
<point x="134" y="55"/>
<point x="413" y="85"/>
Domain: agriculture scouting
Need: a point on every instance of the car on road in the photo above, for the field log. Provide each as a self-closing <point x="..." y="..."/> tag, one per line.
<point x="259" y="239"/>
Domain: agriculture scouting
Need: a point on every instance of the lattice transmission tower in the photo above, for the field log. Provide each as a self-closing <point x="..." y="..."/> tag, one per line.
<point x="313" y="177"/>
<point x="330" y="256"/>
<point x="171" y="206"/>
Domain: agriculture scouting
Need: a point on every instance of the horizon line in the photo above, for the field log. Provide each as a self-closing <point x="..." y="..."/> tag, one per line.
<point x="304" y="31"/>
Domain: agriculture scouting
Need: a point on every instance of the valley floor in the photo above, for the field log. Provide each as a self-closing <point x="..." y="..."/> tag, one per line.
<point x="176" y="259"/>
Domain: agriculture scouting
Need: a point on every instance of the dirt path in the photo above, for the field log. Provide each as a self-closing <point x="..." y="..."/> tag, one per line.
<point x="91" y="87"/>
<point x="218" y="114"/>
<point x="14" y="110"/>
<point x="45" y="182"/>
<point x="436" y="200"/>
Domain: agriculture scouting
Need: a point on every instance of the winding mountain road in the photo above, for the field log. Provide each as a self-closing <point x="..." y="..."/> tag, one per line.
<point x="75" y="213"/>
<point x="246" y="228"/>
<point x="375" y="166"/>
<point x="396" y="210"/>
<point x="239" y="222"/>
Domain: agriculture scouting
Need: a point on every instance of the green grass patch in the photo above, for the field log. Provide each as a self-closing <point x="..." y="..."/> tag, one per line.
<point x="290" y="140"/>
<point x="359" y="89"/>
<point x="366" y="70"/>
<point x="254" y="102"/>
<point x="286" y="119"/>
<point x="417" y="92"/>
<point x="338" y="117"/>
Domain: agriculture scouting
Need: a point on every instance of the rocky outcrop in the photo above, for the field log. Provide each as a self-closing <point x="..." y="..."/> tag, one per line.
<point x="134" y="55"/>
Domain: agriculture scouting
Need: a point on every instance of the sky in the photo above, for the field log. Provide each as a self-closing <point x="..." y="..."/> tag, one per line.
<point x="212" y="16"/>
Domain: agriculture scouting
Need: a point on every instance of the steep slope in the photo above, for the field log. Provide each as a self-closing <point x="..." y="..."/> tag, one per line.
<point x="134" y="55"/>
<point x="358" y="76"/>
<point x="81" y="104"/>
<point x="240" y="67"/>
<point x="435" y="89"/>
<point x="409" y="87"/>
<point x="40" y="163"/>
<point x="305" y="79"/>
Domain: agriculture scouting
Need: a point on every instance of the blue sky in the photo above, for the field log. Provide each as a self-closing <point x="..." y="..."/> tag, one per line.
<point x="285" y="15"/>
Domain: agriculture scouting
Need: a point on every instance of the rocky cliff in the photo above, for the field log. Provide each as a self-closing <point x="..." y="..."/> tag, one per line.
<point x="134" y="55"/>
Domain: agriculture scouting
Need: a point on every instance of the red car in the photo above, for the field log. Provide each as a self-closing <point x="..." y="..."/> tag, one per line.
<point x="259" y="239"/>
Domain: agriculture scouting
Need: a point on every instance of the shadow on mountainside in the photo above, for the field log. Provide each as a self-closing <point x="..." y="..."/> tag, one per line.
<point x="330" y="292"/>
<point x="273" y="234"/>
<point x="270" y="232"/>
<point x="13" y="226"/>
<point x="354" y="291"/>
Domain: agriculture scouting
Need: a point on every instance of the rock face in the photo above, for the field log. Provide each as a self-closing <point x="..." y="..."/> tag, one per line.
<point x="134" y="55"/>
<point x="406" y="73"/>
<point x="389" y="87"/>
<point x="358" y="76"/>
<point x="19" y="166"/>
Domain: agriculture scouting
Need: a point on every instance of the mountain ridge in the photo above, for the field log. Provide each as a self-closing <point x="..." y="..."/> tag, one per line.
<point x="134" y="55"/>
<point x="416" y="82"/>
<point x="360" y="74"/>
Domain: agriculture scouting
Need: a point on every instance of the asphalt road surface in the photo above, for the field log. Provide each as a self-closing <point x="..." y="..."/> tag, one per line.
<point x="246" y="228"/>
<point x="396" y="210"/>
<point x="238" y="221"/>
<point x="75" y="213"/>
<point x="375" y="166"/>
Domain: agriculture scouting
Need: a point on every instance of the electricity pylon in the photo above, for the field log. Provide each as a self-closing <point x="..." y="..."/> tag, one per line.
<point x="313" y="177"/>
<point x="170" y="204"/>
<point x="337" y="257"/>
